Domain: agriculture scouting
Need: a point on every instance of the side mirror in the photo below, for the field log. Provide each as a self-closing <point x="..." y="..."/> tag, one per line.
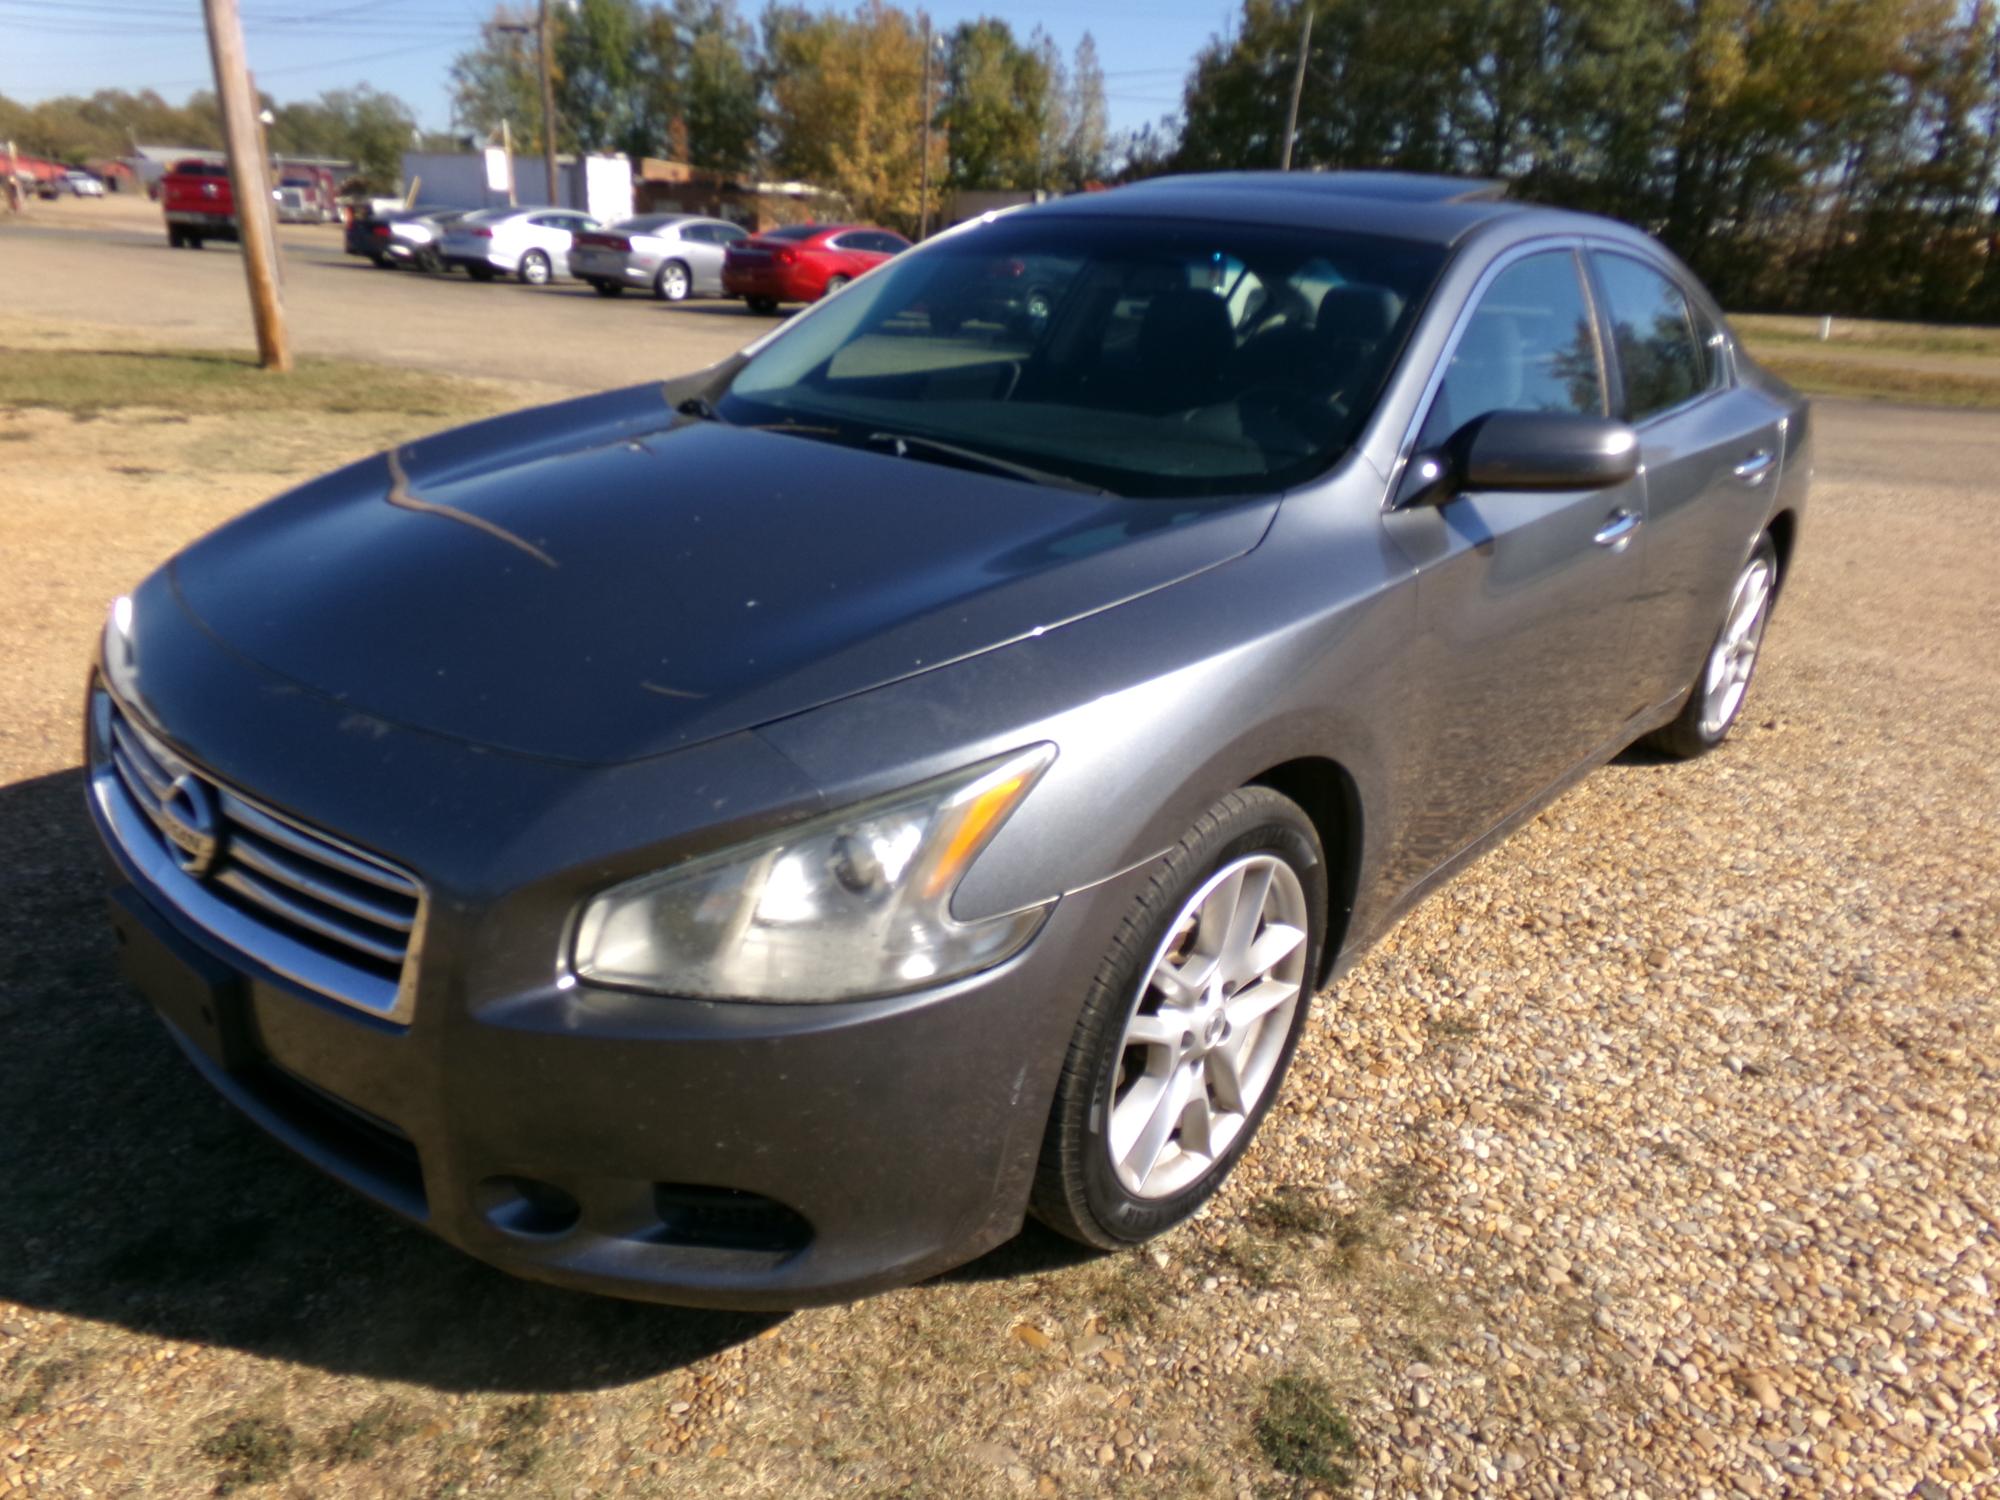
<point x="1543" y="450"/>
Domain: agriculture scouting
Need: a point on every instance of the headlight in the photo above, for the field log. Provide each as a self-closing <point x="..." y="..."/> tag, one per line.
<point x="853" y="904"/>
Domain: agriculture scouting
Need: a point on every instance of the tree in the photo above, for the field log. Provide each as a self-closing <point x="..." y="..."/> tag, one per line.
<point x="362" y="124"/>
<point x="998" y="109"/>
<point x="721" y="97"/>
<point x="497" y="81"/>
<point x="1087" y="131"/>
<point x="846" y="106"/>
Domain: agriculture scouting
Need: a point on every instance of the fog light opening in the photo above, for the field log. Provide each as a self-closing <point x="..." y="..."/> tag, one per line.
<point x="723" y="1218"/>
<point x="527" y="1206"/>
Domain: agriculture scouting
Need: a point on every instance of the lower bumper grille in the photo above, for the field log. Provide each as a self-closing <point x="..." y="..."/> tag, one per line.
<point x="310" y="907"/>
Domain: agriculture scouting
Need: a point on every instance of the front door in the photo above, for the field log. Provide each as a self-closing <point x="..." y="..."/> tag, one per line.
<point x="1525" y="600"/>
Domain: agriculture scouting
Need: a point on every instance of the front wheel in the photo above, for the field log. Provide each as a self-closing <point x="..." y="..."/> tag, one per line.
<point x="1716" y="701"/>
<point x="673" y="283"/>
<point x="1189" y="1025"/>
<point x="536" y="269"/>
<point x="834" y="283"/>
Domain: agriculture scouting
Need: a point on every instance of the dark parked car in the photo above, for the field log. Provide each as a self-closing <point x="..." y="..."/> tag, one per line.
<point x="751" y="840"/>
<point x="804" y="262"/>
<point x="401" y="237"/>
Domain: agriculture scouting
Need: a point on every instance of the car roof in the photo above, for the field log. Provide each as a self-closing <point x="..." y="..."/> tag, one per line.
<point x="1406" y="205"/>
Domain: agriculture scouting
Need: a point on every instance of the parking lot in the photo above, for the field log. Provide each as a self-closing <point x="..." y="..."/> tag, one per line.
<point x="107" y="261"/>
<point x="1656" y="1155"/>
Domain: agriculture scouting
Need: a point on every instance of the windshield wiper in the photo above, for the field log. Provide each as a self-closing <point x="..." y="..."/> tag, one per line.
<point x="904" y="445"/>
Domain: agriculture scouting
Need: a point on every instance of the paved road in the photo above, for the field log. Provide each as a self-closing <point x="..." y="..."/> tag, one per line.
<point x="115" y="267"/>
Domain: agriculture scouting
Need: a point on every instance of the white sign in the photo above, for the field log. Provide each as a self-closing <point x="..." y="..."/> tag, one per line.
<point x="499" y="171"/>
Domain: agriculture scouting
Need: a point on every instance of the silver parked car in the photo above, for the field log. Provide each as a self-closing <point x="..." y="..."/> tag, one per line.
<point x="531" y="243"/>
<point x="677" y="255"/>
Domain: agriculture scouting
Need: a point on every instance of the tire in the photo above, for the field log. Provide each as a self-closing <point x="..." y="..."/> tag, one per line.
<point x="481" y="273"/>
<point x="536" y="269"/>
<point x="1722" y="685"/>
<point x="192" y="241"/>
<point x="763" y="306"/>
<point x="176" y="240"/>
<point x="607" y="288"/>
<point x="673" y="282"/>
<point x="1079" y="1190"/>
<point x="834" y="283"/>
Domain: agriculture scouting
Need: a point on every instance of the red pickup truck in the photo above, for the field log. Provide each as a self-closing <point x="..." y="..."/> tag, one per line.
<point x="199" y="203"/>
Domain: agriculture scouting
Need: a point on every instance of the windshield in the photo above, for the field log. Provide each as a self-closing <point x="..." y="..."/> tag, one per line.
<point x="1144" y="358"/>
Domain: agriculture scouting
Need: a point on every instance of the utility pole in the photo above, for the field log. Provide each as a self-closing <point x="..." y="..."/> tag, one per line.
<point x="924" y="192"/>
<point x="1298" y="85"/>
<point x="247" y="180"/>
<point x="548" y="108"/>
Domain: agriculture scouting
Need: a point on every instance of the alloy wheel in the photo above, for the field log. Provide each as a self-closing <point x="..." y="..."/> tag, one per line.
<point x="535" y="268"/>
<point x="1734" y="656"/>
<point x="1208" y="1032"/>
<point x="673" y="285"/>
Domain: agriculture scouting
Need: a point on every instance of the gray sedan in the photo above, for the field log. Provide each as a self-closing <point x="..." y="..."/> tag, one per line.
<point x="753" y="838"/>
<point x="677" y="256"/>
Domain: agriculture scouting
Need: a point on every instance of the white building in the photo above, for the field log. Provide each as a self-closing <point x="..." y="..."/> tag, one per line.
<point x="599" y="185"/>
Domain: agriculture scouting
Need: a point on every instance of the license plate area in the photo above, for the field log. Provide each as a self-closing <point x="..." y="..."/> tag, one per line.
<point x="201" y="997"/>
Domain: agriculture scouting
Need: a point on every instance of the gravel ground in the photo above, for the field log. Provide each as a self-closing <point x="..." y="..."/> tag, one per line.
<point x="1654" y="1156"/>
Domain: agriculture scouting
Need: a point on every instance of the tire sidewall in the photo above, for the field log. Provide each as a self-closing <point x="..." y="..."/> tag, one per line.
<point x="533" y="261"/>
<point x="1122" y="1216"/>
<point x="663" y="288"/>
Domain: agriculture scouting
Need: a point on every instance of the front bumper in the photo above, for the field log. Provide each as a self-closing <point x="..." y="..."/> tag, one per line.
<point x="738" y="1155"/>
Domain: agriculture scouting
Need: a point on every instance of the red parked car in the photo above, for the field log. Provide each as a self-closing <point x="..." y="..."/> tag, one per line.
<point x="803" y="262"/>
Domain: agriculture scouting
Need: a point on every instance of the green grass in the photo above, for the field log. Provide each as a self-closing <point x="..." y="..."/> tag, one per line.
<point x="250" y="1450"/>
<point x="1883" y="382"/>
<point x="1888" y="338"/>
<point x="200" y="382"/>
<point x="380" y="1427"/>
<point x="1303" y="1433"/>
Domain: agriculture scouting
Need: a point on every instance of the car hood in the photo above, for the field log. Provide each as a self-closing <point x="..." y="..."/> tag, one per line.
<point x="598" y="581"/>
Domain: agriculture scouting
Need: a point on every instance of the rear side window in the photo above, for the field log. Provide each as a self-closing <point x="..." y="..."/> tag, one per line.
<point x="1663" y="360"/>
<point x="1530" y="345"/>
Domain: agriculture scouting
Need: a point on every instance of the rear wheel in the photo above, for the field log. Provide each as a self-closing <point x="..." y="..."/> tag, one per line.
<point x="834" y="283"/>
<point x="673" y="283"/>
<point x="607" y="288"/>
<point x="1189" y="1025"/>
<point x="1717" y="699"/>
<point x="536" y="269"/>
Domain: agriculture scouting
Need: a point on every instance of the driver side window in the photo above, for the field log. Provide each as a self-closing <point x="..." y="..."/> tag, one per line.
<point x="1530" y="345"/>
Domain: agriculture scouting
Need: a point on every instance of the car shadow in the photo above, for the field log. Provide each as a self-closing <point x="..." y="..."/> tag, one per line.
<point x="130" y="1194"/>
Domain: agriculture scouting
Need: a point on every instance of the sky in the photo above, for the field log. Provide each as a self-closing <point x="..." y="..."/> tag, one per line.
<point x="298" y="48"/>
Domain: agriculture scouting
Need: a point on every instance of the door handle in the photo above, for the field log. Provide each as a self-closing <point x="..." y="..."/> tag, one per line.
<point x="1753" y="468"/>
<point x="1617" y="528"/>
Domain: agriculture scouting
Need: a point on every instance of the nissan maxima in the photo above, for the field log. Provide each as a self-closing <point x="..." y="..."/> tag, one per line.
<point x="752" y="839"/>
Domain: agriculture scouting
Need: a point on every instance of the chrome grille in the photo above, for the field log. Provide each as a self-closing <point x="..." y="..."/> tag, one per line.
<point x="320" y="912"/>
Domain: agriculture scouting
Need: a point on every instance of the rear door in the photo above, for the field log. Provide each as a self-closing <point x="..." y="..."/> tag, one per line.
<point x="701" y="246"/>
<point x="1525" y="599"/>
<point x="1711" y="449"/>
